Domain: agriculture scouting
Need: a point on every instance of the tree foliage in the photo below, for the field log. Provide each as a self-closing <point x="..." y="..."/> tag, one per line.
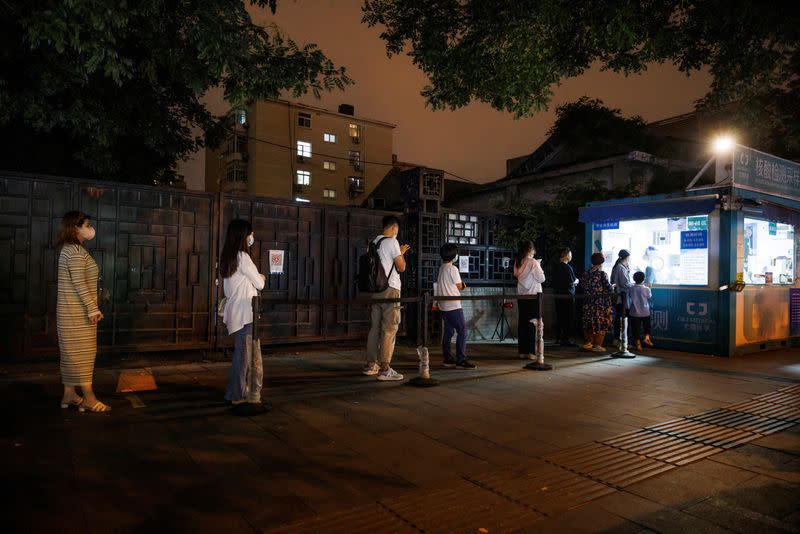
<point x="510" y="53"/>
<point x="114" y="89"/>
<point x="553" y="224"/>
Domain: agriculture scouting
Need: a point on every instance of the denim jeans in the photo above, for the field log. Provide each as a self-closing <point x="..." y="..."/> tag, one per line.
<point x="454" y="323"/>
<point x="240" y="379"/>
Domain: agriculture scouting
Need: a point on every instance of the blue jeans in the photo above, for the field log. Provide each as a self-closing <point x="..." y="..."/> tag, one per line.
<point x="454" y="323"/>
<point x="237" y="379"/>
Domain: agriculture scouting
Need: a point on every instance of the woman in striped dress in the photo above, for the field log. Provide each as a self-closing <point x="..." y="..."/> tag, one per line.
<point x="77" y="313"/>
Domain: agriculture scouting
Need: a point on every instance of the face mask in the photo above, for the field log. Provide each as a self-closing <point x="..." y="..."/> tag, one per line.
<point x="86" y="233"/>
<point x="250" y="240"/>
<point x="455" y="260"/>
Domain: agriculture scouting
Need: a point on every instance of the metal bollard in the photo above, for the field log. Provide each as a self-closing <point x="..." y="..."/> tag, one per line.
<point x="424" y="379"/>
<point x="623" y="332"/>
<point x="539" y="364"/>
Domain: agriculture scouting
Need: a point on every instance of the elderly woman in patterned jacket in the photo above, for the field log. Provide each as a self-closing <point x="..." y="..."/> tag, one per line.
<point x="77" y="313"/>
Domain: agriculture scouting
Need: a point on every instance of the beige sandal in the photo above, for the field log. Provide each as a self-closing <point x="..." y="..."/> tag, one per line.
<point x="97" y="407"/>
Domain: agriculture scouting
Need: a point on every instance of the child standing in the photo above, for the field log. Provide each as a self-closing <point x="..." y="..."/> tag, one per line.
<point x="448" y="284"/>
<point x="639" y="295"/>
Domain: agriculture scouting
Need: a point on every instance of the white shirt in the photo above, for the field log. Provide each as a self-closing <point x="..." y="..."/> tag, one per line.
<point x="240" y="290"/>
<point x="447" y="286"/>
<point x="529" y="277"/>
<point x="388" y="251"/>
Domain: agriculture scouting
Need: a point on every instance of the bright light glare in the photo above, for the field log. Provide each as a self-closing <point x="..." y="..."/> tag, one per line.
<point x="300" y="199"/>
<point x="723" y="144"/>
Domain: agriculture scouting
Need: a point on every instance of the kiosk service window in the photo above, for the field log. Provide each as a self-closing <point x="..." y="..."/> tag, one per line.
<point x="769" y="252"/>
<point x="670" y="251"/>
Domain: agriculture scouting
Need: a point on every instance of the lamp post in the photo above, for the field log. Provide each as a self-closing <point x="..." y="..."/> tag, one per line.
<point x="722" y="148"/>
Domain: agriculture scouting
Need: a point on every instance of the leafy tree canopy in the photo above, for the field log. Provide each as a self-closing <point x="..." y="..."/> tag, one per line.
<point x="114" y="89"/>
<point x="511" y="53"/>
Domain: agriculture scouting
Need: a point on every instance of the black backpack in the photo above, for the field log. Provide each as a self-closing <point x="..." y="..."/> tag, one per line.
<point x="372" y="278"/>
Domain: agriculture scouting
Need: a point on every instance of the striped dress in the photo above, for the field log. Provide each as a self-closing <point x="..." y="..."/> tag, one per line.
<point x="77" y="301"/>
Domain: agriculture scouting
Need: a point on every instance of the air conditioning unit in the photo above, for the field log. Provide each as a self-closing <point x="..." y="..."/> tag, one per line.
<point x="301" y="159"/>
<point x="300" y="188"/>
<point x="356" y="139"/>
<point x="357" y="165"/>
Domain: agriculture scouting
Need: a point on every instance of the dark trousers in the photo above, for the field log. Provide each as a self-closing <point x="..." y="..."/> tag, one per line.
<point x="618" y="311"/>
<point x="565" y="317"/>
<point x="636" y="327"/>
<point x="526" y="332"/>
<point x="454" y="323"/>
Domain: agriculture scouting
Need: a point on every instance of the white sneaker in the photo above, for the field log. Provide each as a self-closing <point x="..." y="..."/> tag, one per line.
<point x="389" y="375"/>
<point x="371" y="369"/>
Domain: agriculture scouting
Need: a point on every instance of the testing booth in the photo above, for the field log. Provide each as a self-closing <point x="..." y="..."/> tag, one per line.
<point x="721" y="259"/>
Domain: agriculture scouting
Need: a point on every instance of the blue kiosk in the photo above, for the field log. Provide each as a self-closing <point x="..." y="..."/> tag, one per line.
<point x="722" y="260"/>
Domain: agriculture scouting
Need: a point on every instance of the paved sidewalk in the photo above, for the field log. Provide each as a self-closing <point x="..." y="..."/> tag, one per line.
<point x="500" y="449"/>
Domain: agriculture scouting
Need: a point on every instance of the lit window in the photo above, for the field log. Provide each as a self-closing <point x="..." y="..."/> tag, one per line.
<point x="669" y="251"/>
<point x="304" y="149"/>
<point x="304" y="120"/>
<point x="301" y="199"/>
<point x="329" y="165"/>
<point x="329" y="137"/>
<point x="355" y="130"/>
<point x="355" y="158"/>
<point x="240" y="116"/>
<point x="329" y="193"/>
<point x="768" y="252"/>
<point x="355" y="184"/>
<point x="303" y="177"/>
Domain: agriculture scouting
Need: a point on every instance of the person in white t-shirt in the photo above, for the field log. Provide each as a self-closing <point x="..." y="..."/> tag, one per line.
<point x="241" y="282"/>
<point x="385" y="317"/>
<point x="449" y="284"/>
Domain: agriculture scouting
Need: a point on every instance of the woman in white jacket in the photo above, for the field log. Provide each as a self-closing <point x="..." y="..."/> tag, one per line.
<point x="529" y="275"/>
<point x="241" y="282"/>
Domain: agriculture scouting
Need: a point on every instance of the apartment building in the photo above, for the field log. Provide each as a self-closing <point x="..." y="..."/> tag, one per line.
<point x="293" y="151"/>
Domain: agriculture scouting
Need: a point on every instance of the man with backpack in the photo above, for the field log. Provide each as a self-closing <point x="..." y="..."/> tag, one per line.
<point x="382" y="279"/>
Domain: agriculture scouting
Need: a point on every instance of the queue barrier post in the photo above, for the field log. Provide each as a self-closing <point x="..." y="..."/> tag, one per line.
<point x="622" y="343"/>
<point x="539" y="364"/>
<point x="424" y="379"/>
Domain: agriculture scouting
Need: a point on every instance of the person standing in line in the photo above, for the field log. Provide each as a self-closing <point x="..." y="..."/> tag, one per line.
<point x="77" y="313"/>
<point x="597" y="307"/>
<point x="530" y="276"/>
<point x="448" y="284"/>
<point x="564" y="282"/>
<point x="241" y="282"/>
<point x="621" y="282"/>
<point x="385" y="317"/>
<point x="640" y="296"/>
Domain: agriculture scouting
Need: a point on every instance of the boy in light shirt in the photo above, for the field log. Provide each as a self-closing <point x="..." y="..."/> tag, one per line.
<point x="448" y="284"/>
<point x="639" y="296"/>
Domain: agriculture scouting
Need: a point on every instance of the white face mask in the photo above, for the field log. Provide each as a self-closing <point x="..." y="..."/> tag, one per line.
<point x="250" y="240"/>
<point x="455" y="260"/>
<point x="86" y="233"/>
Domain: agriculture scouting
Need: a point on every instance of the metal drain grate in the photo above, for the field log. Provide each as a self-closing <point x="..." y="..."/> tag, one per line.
<point x="462" y="508"/>
<point x="716" y="436"/>
<point x="609" y="465"/>
<point x="765" y="409"/>
<point x="546" y="488"/>
<point x="661" y="447"/>
<point x="742" y="421"/>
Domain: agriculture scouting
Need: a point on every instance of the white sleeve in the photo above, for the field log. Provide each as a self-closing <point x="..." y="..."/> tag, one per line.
<point x="456" y="276"/>
<point x="394" y="248"/>
<point x="250" y="271"/>
<point x="537" y="272"/>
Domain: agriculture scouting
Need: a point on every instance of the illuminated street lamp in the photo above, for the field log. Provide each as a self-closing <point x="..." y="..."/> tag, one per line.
<point x="722" y="146"/>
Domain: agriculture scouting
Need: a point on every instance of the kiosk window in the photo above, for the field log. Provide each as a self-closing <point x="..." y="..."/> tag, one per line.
<point x="768" y="252"/>
<point x="672" y="251"/>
